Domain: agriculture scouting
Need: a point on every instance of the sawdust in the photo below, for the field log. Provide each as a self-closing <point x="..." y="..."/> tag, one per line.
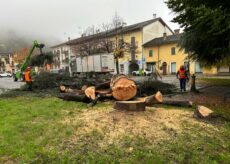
<point x="154" y="124"/>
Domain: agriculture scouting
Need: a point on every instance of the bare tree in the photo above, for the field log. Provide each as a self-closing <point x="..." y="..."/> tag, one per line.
<point x="117" y="46"/>
<point x="108" y="38"/>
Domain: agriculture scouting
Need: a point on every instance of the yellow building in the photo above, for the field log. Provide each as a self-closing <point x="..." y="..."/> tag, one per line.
<point x="164" y="55"/>
<point x="137" y="35"/>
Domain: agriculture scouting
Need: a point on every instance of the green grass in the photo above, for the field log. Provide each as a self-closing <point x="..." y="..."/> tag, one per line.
<point x="32" y="131"/>
<point x="216" y="81"/>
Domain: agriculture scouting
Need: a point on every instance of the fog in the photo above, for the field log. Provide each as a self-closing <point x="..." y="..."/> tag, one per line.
<point x="53" y="21"/>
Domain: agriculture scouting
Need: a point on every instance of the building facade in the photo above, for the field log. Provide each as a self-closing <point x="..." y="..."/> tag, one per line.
<point x="82" y="58"/>
<point x="164" y="55"/>
<point x="6" y="62"/>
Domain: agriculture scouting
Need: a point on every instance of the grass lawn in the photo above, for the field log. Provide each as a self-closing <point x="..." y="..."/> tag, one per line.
<point x="48" y="130"/>
<point x="216" y="81"/>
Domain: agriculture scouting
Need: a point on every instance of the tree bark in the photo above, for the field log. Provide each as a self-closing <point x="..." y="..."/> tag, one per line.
<point x="74" y="97"/>
<point x="117" y="66"/>
<point x="154" y="99"/>
<point x="64" y="89"/>
<point x="129" y="105"/>
<point x="178" y="103"/>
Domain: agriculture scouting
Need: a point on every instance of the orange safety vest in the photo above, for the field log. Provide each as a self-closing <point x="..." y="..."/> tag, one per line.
<point x="27" y="76"/>
<point x="182" y="74"/>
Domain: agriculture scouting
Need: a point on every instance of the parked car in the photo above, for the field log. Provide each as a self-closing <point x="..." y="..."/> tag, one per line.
<point x="3" y="74"/>
<point x="141" y="72"/>
<point x="9" y="74"/>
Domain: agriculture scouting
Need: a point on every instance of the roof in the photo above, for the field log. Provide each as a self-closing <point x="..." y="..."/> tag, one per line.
<point x="163" y="40"/>
<point x="62" y="44"/>
<point x="113" y="32"/>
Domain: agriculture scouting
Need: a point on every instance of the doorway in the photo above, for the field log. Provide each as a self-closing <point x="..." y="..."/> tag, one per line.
<point x="164" y="68"/>
<point x="133" y="67"/>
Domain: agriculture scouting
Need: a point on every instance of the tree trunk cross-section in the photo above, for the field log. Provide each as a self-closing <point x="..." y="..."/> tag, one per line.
<point x="123" y="88"/>
<point x="90" y="93"/>
<point x="202" y="112"/>
<point x="129" y="105"/>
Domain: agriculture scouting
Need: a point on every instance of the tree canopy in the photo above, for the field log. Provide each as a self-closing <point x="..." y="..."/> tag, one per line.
<point x="40" y="60"/>
<point x="206" y="26"/>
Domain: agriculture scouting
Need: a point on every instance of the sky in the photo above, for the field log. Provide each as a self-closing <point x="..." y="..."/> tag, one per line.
<point x="56" y="20"/>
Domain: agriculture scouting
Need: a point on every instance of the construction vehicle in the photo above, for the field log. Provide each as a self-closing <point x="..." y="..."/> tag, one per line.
<point x="19" y="75"/>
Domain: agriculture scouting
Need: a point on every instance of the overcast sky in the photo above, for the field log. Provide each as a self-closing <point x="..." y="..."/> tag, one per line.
<point x="56" y="20"/>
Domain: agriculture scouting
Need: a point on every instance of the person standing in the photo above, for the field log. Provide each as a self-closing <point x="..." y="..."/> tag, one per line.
<point x="182" y="75"/>
<point x="28" y="78"/>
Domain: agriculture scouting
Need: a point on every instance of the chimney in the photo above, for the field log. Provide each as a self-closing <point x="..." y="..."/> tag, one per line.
<point x="177" y="31"/>
<point x="154" y="16"/>
<point x="164" y="35"/>
<point x="68" y="38"/>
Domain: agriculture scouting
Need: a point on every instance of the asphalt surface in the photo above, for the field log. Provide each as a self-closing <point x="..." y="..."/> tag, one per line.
<point x="167" y="79"/>
<point x="7" y="83"/>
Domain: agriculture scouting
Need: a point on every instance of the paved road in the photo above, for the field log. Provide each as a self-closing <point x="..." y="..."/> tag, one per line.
<point x="167" y="79"/>
<point x="7" y="83"/>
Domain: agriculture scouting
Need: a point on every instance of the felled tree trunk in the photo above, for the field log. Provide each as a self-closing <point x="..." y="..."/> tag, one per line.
<point x="64" y="89"/>
<point x="105" y="85"/>
<point x="154" y="99"/>
<point x="123" y="88"/>
<point x="74" y="97"/>
<point x="158" y="99"/>
<point x="181" y="103"/>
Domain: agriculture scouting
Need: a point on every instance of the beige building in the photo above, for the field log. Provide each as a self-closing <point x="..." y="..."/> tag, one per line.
<point x="6" y="62"/>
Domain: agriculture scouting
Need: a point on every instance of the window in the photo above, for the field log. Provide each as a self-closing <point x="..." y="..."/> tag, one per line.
<point x="122" y="67"/>
<point x="104" y="61"/>
<point x="150" y="53"/>
<point x="173" y="51"/>
<point x="173" y="68"/>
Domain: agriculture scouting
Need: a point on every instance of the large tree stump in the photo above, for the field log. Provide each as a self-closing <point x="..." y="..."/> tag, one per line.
<point x="129" y="105"/>
<point x="123" y="88"/>
<point x="202" y="112"/>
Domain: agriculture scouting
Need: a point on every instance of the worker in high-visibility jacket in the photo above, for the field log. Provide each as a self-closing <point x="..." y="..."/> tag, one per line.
<point x="28" y="78"/>
<point x="183" y="76"/>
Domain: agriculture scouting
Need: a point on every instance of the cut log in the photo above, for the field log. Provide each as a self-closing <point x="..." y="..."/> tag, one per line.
<point x="154" y="99"/>
<point x="84" y="87"/>
<point x="90" y="93"/>
<point x="123" y="88"/>
<point x="74" y="97"/>
<point x="62" y="88"/>
<point x="178" y="103"/>
<point x="202" y="112"/>
<point x="129" y="105"/>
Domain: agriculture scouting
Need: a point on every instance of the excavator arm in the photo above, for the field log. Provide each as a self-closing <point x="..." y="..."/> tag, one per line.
<point x="26" y="62"/>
